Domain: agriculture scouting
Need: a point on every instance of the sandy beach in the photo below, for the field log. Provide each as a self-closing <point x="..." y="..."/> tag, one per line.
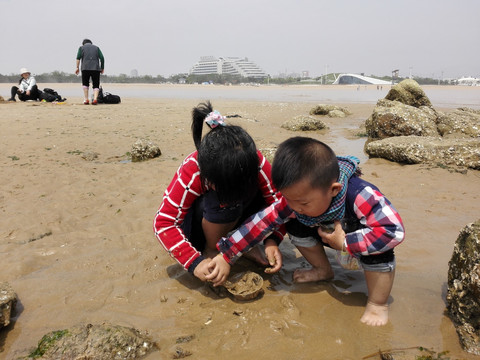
<point x="77" y="245"/>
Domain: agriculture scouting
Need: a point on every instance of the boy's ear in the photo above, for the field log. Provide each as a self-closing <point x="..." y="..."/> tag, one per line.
<point x="335" y="188"/>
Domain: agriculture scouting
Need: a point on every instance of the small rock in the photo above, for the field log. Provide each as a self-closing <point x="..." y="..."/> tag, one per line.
<point x="304" y="123"/>
<point x="89" y="341"/>
<point x="144" y="149"/>
<point x="8" y="301"/>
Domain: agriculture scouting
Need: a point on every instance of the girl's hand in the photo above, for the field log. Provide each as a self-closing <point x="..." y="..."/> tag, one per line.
<point x="336" y="238"/>
<point x="274" y="256"/>
<point x="202" y="270"/>
<point x="219" y="270"/>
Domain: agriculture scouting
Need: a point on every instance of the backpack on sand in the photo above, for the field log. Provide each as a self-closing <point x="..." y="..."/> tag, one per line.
<point x="50" y="95"/>
<point x="107" y="98"/>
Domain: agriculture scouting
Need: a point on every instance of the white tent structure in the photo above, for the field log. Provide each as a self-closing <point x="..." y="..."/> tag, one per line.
<point x="354" y="79"/>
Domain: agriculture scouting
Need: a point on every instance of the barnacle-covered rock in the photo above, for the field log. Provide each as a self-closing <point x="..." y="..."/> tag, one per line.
<point x="463" y="295"/>
<point x="410" y="93"/>
<point x="427" y="150"/>
<point x="304" y="123"/>
<point x="330" y="110"/>
<point x="8" y="301"/>
<point x="89" y="341"/>
<point x="144" y="149"/>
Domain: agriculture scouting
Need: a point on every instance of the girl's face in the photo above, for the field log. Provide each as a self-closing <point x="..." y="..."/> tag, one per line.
<point x="309" y="201"/>
<point x="25" y="75"/>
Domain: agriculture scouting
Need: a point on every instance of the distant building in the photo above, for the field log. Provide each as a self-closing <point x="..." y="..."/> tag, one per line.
<point x="468" y="81"/>
<point x="354" y="79"/>
<point x="227" y="65"/>
<point x="134" y="73"/>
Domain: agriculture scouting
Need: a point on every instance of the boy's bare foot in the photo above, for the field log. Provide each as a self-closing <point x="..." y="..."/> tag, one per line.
<point x="375" y="315"/>
<point x="257" y="255"/>
<point x="313" y="274"/>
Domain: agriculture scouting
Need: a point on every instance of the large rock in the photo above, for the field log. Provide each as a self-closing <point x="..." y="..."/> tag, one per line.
<point x="8" y="301"/>
<point x="410" y="93"/>
<point x="462" y="122"/>
<point x="304" y="123"/>
<point x="463" y="295"/>
<point x="94" y="342"/>
<point x="393" y="118"/>
<point x="432" y="150"/>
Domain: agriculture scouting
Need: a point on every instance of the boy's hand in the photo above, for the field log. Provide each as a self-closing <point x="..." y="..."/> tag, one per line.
<point x="336" y="238"/>
<point x="219" y="270"/>
<point x="202" y="270"/>
<point x="274" y="256"/>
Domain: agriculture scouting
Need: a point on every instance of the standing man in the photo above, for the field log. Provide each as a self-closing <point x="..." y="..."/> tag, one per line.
<point x="93" y="64"/>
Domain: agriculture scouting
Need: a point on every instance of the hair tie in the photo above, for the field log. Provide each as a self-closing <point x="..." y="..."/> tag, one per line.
<point x="214" y="119"/>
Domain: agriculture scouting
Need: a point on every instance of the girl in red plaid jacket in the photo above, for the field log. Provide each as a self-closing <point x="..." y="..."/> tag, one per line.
<point x="213" y="191"/>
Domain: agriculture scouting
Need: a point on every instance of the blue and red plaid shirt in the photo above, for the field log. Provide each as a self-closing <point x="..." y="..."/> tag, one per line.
<point x="382" y="228"/>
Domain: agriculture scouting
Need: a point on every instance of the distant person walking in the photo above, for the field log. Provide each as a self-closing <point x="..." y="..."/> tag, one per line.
<point x="93" y="64"/>
<point x="27" y="87"/>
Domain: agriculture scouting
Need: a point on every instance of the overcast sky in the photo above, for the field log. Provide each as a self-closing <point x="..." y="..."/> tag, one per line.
<point x="427" y="38"/>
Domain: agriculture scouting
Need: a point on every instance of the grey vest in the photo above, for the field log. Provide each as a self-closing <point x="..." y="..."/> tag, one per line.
<point x="90" y="59"/>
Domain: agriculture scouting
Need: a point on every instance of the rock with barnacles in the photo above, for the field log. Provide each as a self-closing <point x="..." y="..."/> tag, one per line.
<point x="304" y="123"/>
<point x="330" y="110"/>
<point x="463" y="153"/>
<point x="410" y="93"/>
<point x="89" y="341"/>
<point x="463" y="295"/>
<point x="144" y="149"/>
<point x="8" y="301"/>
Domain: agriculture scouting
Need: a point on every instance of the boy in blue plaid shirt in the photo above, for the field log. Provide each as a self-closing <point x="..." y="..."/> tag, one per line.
<point x="319" y="190"/>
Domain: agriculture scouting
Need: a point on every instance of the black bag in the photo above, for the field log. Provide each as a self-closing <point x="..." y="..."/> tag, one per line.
<point x="107" y="98"/>
<point x="50" y="95"/>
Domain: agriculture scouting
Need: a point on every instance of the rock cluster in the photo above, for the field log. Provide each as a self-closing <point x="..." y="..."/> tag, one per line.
<point x="404" y="127"/>
<point x="144" y="149"/>
<point x="8" y="301"/>
<point x="463" y="295"/>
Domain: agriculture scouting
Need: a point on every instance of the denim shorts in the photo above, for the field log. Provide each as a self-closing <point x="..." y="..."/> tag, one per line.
<point x="384" y="262"/>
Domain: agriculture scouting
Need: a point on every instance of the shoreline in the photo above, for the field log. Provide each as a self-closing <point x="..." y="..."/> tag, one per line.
<point x="441" y="96"/>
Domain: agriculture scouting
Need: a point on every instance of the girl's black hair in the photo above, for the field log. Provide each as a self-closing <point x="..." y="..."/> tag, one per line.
<point x="227" y="157"/>
<point x="86" y="41"/>
<point x="301" y="158"/>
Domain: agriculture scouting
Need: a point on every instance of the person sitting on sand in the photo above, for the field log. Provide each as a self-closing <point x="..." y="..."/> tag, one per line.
<point x="27" y="87"/>
<point x="321" y="189"/>
<point x="213" y="191"/>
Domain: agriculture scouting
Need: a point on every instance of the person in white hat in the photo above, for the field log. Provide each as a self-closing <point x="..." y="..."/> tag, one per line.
<point x="27" y="87"/>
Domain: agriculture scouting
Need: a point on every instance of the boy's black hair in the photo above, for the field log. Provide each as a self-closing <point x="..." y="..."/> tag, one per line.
<point x="300" y="157"/>
<point x="227" y="157"/>
<point x="86" y="41"/>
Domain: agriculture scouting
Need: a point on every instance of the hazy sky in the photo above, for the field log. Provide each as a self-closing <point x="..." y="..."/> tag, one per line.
<point x="426" y="38"/>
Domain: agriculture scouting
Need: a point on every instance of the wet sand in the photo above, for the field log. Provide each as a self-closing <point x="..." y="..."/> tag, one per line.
<point x="76" y="239"/>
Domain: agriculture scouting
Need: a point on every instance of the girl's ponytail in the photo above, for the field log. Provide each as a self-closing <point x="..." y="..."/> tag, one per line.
<point x="199" y="114"/>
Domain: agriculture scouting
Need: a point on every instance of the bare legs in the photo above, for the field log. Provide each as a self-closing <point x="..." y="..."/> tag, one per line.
<point x="85" y="94"/>
<point x="321" y="269"/>
<point x="379" y="284"/>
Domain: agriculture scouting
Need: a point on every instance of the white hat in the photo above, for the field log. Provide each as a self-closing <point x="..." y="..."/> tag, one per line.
<point x="23" y="71"/>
